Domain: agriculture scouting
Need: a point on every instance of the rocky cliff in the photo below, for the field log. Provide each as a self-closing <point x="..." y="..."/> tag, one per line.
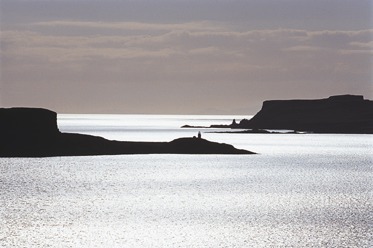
<point x="336" y="114"/>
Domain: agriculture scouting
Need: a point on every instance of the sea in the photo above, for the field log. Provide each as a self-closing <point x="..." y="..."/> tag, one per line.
<point x="299" y="190"/>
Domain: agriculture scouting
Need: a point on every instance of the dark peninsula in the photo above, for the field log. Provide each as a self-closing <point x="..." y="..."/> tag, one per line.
<point x="33" y="132"/>
<point x="348" y="114"/>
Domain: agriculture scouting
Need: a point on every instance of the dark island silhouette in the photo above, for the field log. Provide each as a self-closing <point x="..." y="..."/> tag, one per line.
<point x="33" y="132"/>
<point x="348" y="114"/>
<point x="260" y="131"/>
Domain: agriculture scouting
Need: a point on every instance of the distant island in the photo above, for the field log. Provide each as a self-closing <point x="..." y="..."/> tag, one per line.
<point x="33" y="132"/>
<point x="348" y="114"/>
<point x="260" y="131"/>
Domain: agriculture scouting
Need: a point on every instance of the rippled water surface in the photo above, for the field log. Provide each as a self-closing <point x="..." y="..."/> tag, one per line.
<point x="299" y="191"/>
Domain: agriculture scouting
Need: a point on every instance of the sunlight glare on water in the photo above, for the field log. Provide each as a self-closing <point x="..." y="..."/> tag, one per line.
<point x="300" y="191"/>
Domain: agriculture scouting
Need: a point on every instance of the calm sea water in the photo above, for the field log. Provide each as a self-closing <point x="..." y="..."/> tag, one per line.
<point x="307" y="190"/>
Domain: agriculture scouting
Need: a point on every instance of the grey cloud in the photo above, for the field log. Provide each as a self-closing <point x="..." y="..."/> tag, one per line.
<point x="180" y="55"/>
<point x="203" y="25"/>
<point x="253" y="14"/>
<point x="266" y="54"/>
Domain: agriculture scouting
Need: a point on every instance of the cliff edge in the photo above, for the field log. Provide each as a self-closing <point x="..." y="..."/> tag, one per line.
<point x="336" y="114"/>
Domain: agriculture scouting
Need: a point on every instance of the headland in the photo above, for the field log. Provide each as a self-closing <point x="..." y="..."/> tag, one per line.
<point x="347" y="114"/>
<point x="33" y="132"/>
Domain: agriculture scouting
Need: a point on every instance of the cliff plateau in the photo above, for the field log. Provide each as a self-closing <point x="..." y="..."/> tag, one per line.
<point x="336" y="114"/>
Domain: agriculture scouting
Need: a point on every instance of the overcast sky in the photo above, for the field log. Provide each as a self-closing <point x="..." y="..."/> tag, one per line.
<point x="181" y="56"/>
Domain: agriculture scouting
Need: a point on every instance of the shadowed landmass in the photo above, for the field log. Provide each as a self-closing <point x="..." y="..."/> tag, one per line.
<point x="33" y="132"/>
<point x="260" y="131"/>
<point x="336" y="114"/>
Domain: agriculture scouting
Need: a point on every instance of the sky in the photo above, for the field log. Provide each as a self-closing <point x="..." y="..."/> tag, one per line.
<point x="181" y="56"/>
